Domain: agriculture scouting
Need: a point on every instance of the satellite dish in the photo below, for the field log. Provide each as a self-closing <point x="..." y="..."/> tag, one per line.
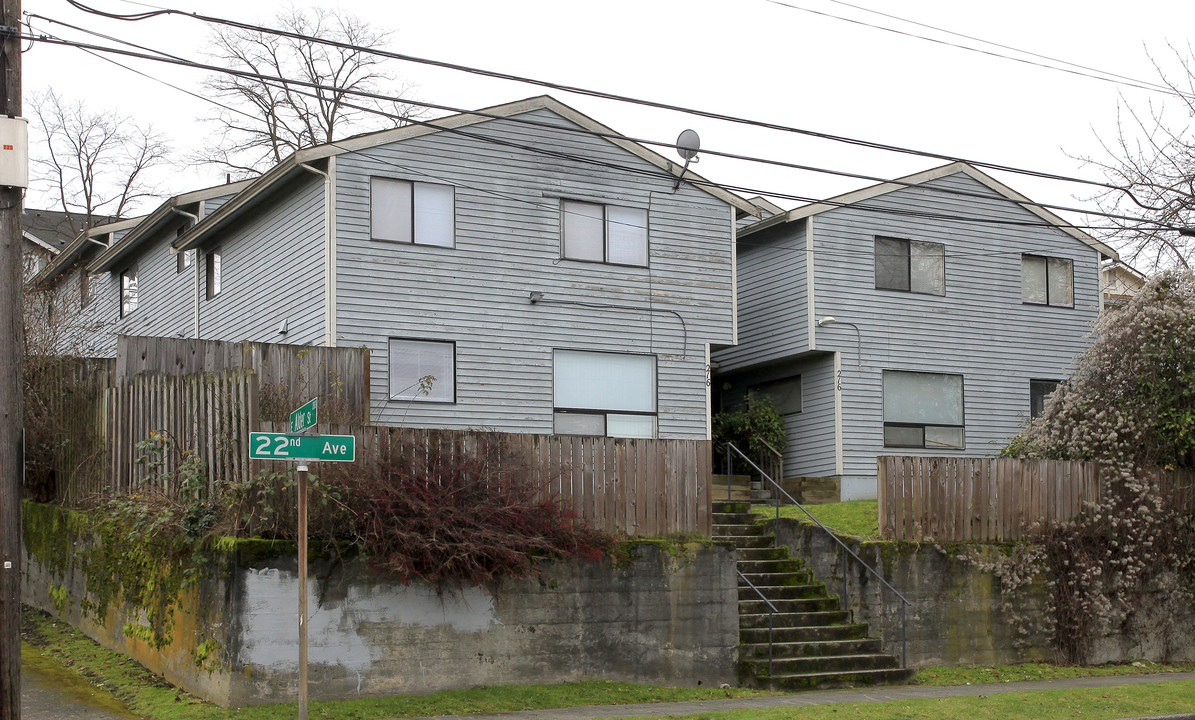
<point x="687" y="145"/>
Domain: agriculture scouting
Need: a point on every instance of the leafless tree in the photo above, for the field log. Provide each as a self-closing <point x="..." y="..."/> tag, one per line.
<point x="94" y="161"/>
<point x="267" y="120"/>
<point x="1151" y="165"/>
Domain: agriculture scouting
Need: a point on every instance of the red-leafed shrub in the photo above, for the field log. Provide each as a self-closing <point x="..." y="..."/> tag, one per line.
<point x="456" y="516"/>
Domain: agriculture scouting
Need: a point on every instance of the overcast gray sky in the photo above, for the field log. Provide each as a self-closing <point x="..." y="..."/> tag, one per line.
<point x="750" y="58"/>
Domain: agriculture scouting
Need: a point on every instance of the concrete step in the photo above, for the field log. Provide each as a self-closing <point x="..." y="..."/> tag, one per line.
<point x="783" y="592"/>
<point x="762" y="553"/>
<point x="722" y="506"/>
<point x="746" y="541"/>
<point x="816" y="648"/>
<point x="756" y="606"/>
<point x="734" y="518"/>
<point x="759" y="635"/>
<point x="794" y="619"/>
<point x="825" y="664"/>
<point x="770" y="567"/>
<point x="733" y="530"/>
<point x="828" y="680"/>
<point x="804" y="580"/>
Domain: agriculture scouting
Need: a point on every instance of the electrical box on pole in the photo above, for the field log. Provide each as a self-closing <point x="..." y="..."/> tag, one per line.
<point x="14" y="152"/>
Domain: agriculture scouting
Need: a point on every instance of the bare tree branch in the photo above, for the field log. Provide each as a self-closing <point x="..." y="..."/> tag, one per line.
<point x="95" y="161"/>
<point x="270" y="120"/>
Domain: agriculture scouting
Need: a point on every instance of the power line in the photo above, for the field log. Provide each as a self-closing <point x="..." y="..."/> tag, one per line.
<point x="164" y="57"/>
<point x="1140" y="85"/>
<point x="1145" y="83"/>
<point x="612" y="96"/>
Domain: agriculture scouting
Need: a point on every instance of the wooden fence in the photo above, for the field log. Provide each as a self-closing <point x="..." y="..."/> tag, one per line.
<point x="287" y="375"/>
<point x="953" y="499"/>
<point x="623" y="486"/>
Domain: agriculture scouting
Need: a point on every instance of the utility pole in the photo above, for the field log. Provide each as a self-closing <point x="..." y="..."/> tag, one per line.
<point x="12" y="345"/>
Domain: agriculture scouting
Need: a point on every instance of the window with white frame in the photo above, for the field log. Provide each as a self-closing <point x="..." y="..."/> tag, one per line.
<point x="604" y="393"/>
<point x="128" y="291"/>
<point x="422" y="370"/>
<point x="910" y="266"/>
<point x="1047" y="281"/>
<point x="923" y="410"/>
<point x="603" y="233"/>
<point x="412" y="212"/>
<point x="1039" y="393"/>
<point x="215" y="279"/>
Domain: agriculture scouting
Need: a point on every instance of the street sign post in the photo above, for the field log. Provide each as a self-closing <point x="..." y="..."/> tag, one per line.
<point x="280" y="446"/>
<point x="302" y="449"/>
<point x="305" y="417"/>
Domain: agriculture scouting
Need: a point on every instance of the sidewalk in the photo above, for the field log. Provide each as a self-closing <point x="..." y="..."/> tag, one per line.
<point x="827" y="697"/>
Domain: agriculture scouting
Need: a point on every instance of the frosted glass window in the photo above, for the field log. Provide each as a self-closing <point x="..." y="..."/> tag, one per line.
<point x="390" y="206"/>
<point x="1059" y="282"/>
<point x="603" y="233"/>
<point x="910" y="265"/>
<point x="435" y="215"/>
<point x="415" y="364"/>
<point x="1033" y="279"/>
<point x="604" y="381"/>
<point x="584" y="235"/>
<point x="631" y="426"/>
<point x="568" y="423"/>
<point x="923" y="410"/>
<point x="626" y="233"/>
<point x="927" y="268"/>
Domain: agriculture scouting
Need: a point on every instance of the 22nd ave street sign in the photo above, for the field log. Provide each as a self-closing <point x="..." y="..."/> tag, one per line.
<point x="277" y="446"/>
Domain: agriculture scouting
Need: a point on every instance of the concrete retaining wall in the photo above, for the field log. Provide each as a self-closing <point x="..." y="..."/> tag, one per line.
<point x="655" y="619"/>
<point x="957" y="615"/>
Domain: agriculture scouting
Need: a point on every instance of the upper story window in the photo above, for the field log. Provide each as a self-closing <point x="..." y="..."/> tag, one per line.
<point x="910" y="266"/>
<point x="412" y="212"/>
<point x="422" y="370"/>
<point x="603" y="233"/>
<point x="923" y="410"/>
<point x="184" y="259"/>
<point x="603" y="393"/>
<point x="84" y="288"/>
<point x="1039" y="393"/>
<point x="215" y="280"/>
<point x="128" y="291"/>
<point x="1047" y="280"/>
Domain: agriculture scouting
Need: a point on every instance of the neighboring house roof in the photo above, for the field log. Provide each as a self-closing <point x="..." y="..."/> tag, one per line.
<point x="925" y="176"/>
<point x="1122" y="282"/>
<point x="169" y="211"/>
<point x="288" y="168"/>
<point x="53" y="229"/>
<point x="770" y="208"/>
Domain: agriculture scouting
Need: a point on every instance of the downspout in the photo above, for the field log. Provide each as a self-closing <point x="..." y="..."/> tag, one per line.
<point x="329" y="250"/>
<point x="195" y="283"/>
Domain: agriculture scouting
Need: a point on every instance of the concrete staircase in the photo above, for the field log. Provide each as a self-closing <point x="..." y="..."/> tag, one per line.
<point x="815" y="644"/>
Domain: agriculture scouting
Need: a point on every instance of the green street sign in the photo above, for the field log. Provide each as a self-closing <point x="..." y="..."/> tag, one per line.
<point x="324" y="448"/>
<point x="305" y="417"/>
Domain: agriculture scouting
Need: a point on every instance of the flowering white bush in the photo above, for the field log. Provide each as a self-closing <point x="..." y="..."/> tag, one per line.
<point x="1130" y="405"/>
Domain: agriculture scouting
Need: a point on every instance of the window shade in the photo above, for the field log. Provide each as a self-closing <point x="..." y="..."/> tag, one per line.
<point x="434" y="215"/>
<point x="928" y="267"/>
<point x="604" y="381"/>
<point x="928" y="398"/>
<point x="583" y="231"/>
<point x="892" y="264"/>
<point x="411" y="360"/>
<point x="1033" y="279"/>
<point x="390" y="209"/>
<point x="626" y="232"/>
<point x="1060" y="280"/>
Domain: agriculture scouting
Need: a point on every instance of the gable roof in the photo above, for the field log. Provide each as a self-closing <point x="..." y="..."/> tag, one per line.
<point x="53" y="229"/>
<point x="78" y="247"/>
<point x="922" y="177"/>
<point x="288" y="168"/>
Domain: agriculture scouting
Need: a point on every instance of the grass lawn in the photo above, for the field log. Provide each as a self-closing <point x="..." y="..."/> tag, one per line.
<point x="1087" y="704"/>
<point x="982" y="674"/>
<point x="853" y="517"/>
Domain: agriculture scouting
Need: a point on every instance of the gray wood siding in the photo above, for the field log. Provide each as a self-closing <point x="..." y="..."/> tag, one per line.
<point x="773" y="302"/>
<point x="165" y="297"/>
<point x="272" y="268"/>
<point x="980" y="328"/>
<point x="508" y="245"/>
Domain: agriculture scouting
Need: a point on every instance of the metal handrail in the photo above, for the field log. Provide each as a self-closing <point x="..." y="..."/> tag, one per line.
<point x="904" y="662"/>
<point x="771" y="616"/>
